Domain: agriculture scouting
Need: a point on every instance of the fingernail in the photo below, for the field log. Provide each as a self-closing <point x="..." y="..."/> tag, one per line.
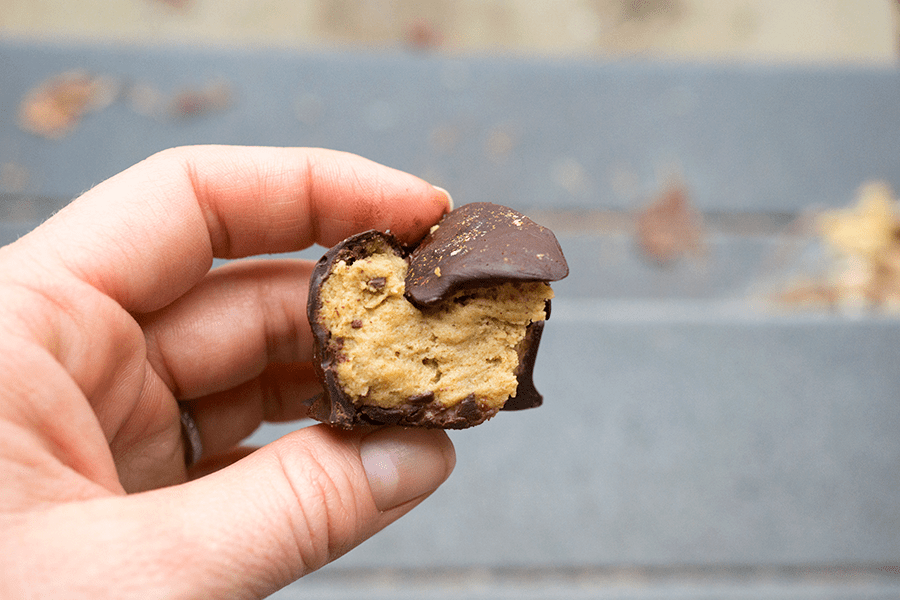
<point x="404" y="464"/>
<point x="447" y="194"/>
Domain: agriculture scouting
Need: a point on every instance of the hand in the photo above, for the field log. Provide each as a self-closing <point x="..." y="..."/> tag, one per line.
<point x="109" y="315"/>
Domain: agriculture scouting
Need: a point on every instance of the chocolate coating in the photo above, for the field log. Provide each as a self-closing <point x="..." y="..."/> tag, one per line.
<point x="335" y="407"/>
<point x="478" y="244"/>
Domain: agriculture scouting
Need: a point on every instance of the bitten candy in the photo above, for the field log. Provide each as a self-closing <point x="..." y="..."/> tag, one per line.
<point x="443" y="335"/>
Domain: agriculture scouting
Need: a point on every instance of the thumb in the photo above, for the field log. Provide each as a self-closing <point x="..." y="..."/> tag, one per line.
<point x="268" y="519"/>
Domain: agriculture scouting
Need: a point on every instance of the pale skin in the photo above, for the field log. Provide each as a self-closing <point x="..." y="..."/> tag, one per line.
<point x="109" y="314"/>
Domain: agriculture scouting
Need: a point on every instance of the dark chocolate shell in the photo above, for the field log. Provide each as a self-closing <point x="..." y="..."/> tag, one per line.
<point x="478" y="244"/>
<point x="333" y="405"/>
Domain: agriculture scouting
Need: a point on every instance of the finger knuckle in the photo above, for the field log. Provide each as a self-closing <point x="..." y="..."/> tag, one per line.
<point x="325" y="518"/>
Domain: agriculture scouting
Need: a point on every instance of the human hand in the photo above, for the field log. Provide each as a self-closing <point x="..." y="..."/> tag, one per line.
<point x="109" y="315"/>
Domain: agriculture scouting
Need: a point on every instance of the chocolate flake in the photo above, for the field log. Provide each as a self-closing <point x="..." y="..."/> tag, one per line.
<point x="479" y="244"/>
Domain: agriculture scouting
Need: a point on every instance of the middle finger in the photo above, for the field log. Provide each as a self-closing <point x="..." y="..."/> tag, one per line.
<point x="225" y="331"/>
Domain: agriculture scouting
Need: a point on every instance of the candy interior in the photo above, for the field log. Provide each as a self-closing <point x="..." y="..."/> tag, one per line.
<point x="392" y="353"/>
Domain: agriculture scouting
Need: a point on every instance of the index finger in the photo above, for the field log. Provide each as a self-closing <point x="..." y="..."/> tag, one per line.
<point x="149" y="233"/>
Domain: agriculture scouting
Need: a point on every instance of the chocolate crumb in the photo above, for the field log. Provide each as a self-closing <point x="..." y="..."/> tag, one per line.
<point x="377" y="284"/>
<point x="423" y="398"/>
<point x="469" y="409"/>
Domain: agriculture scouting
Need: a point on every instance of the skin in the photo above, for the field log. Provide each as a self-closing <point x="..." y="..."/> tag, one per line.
<point x="109" y="314"/>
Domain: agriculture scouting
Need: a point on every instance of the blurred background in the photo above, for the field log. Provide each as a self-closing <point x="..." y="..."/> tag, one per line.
<point x="721" y="413"/>
<point x="768" y="30"/>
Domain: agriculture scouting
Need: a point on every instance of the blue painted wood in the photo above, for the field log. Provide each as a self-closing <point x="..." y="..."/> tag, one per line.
<point x="527" y="133"/>
<point x="741" y="583"/>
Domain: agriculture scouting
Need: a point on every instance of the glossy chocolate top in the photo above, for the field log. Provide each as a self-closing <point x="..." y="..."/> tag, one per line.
<point x="481" y="243"/>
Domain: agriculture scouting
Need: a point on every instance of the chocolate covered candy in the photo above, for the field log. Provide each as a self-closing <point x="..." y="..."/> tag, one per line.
<point x="444" y="335"/>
